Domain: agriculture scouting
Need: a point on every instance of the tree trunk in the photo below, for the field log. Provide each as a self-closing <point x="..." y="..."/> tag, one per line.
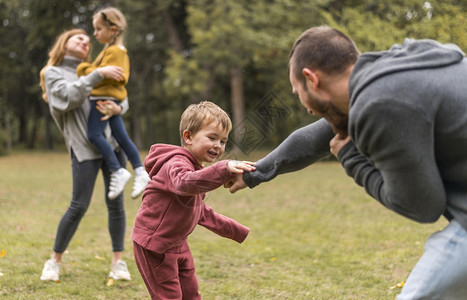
<point x="31" y="141"/>
<point x="149" y="122"/>
<point x="138" y="103"/>
<point x="23" y="129"/>
<point x="48" y="140"/>
<point x="174" y="37"/>
<point x="9" y="143"/>
<point x="135" y="118"/>
<point x="6" y="118"/>
<point x="238" y="103"/>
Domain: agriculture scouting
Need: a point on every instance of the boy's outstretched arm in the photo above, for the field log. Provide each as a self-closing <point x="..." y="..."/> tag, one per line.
<point x="222" y="225"/>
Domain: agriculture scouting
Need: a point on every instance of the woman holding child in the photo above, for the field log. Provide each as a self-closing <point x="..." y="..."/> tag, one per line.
<point x="66" y="95"/>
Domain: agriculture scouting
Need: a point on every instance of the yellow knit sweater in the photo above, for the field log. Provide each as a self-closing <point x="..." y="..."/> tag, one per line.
<point x="111" y="56"/>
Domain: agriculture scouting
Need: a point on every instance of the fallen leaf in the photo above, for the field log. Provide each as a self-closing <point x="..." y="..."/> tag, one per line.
<point x="399" y="285"/>
<point x="110" y="282"/>
<point x="99" y="258"/>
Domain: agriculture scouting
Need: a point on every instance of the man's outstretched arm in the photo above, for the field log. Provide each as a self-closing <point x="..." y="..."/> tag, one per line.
<point x="300" y="149"/>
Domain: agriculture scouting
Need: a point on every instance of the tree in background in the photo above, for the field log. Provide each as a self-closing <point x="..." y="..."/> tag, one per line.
<point x="30" y="27"/>
<point x="232" y="52"/>
<point x="238" y="52"/>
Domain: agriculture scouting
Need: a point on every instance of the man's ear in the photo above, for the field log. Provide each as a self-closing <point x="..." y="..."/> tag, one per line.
<point x="187" y="137"/>
<point x="312" y="78"/>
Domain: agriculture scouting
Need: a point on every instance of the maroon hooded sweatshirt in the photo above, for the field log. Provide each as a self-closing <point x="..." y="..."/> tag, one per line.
<point x="173" y="200"/>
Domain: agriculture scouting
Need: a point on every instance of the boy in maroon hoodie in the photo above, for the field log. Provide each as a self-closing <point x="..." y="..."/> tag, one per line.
<point x="173" y="202"/>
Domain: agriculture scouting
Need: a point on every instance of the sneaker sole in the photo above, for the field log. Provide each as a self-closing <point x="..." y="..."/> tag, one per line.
<point x="49" y="279"/>
<point x="112" y="275"/>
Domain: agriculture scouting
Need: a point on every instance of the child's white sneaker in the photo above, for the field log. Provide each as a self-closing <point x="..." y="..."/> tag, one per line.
<point x="119" y="271"/>
<point x="51" y="269"/>
<point x="118" y="180"/>
<point x="140" y="183"/>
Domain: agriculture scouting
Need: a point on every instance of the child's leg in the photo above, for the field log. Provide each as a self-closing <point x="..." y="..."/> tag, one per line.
<point x="159" y="273"/>
<point x="188" y="280"/>
<point x="121" y="135"/>
<point x="96" y="136"/>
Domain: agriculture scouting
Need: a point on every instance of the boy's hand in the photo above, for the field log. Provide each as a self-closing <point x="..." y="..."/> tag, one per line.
<point x="236" y="166"/>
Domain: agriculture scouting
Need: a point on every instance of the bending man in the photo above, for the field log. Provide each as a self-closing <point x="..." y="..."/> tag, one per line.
<point x="397" y="122"/>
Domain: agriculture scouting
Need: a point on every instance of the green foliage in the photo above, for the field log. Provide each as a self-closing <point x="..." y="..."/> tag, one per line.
<point x="446" y="24"/>
<point x="185" y="77"/>
<point x="244" y="34"/>
<point x="184" y="51"/>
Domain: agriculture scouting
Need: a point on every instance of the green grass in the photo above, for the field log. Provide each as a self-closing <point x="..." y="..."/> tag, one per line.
<point x="314" y="235"/>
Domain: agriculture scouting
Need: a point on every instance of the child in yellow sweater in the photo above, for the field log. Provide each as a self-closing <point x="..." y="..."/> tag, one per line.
<point x="109" y="24"/>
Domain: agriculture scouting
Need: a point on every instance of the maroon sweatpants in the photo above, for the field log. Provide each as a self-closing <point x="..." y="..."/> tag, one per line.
<point x="170" y="275"/>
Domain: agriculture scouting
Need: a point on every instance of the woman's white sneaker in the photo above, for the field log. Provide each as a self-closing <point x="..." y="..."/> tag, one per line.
<point x="51" y="270"/>
<point x="119" y="271"/>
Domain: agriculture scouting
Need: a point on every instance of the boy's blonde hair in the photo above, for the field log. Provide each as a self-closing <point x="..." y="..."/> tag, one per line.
<point x="196" y="116"/>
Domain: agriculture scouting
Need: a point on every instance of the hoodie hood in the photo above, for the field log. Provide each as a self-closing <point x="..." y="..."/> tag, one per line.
<point x="411" y="55"/>
<point x="159" y="154"/>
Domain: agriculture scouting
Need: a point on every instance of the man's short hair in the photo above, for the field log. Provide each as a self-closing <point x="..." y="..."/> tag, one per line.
<point x="322" y="48"/>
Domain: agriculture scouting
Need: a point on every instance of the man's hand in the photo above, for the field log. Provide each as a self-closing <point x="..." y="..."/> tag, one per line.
<point x="108" y="108"/>
<point x="337" y="143"/>
<point x="236" y="184"/>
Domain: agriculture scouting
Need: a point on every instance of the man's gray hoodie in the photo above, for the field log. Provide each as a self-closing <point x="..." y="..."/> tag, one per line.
<point x="408" y="117"/>
<point x="408" y="120"/>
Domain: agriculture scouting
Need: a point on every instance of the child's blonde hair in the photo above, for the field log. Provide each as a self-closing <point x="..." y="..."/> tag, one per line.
<point x="57" y="53"/>
<point x="196" y="116"/>
<point x="111" y="16"/>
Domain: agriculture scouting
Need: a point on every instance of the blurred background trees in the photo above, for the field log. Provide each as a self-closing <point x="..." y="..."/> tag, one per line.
<point x="233" y="53"/>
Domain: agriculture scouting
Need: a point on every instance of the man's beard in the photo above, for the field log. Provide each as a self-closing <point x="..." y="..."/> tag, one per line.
<point x="339" y="123"/>
<point x="338" y="120"/>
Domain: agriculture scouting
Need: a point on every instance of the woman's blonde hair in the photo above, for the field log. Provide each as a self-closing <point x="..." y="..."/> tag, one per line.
<point x="57" y="53"/>
<point x="196" y="116"/>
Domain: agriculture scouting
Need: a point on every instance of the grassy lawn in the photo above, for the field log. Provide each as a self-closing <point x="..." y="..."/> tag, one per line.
<point x="314" y="235"/>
